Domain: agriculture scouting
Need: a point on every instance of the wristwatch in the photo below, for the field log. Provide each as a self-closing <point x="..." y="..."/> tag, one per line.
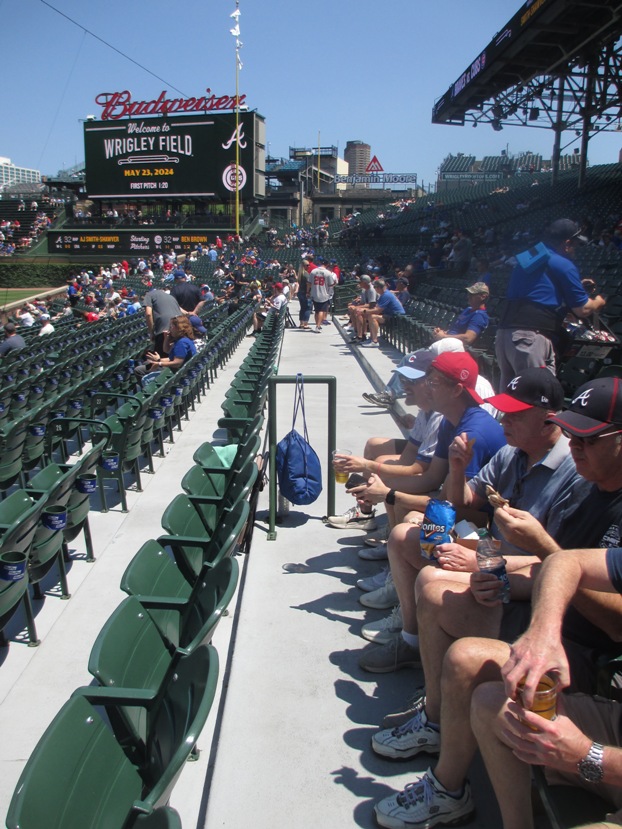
<point x="390" y="498"/>
<point x="591" y="767"/>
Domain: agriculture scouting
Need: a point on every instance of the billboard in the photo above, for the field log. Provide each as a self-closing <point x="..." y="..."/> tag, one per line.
<point x="140" y="241"/>
<point x="175" y="157"/>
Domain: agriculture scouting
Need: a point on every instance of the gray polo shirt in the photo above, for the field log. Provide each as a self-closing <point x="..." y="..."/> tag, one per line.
<point x="539" y="490"/>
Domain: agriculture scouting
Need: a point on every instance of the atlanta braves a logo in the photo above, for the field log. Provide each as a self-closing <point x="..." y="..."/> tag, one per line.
<point x="237" y="137"/>
<point x="513" y="384"/>
<point x="583" y="398"/>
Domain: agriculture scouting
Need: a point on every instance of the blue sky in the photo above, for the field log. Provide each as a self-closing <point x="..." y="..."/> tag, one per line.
<point x="344" y="69"/>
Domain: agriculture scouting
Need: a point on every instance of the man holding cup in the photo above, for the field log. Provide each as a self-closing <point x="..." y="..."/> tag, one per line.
<point x="582" y="745"/>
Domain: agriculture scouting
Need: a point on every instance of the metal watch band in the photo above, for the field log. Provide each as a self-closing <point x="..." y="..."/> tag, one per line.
<point x="591" y="767"/>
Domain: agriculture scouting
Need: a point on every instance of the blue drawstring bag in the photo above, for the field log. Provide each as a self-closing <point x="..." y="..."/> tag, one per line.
<point x="298" y="467"/>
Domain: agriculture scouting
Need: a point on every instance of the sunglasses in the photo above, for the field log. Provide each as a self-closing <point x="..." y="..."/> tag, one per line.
<point x="591" y="441"/>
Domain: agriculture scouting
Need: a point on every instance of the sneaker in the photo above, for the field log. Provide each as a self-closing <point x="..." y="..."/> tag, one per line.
<point x="378" y="538"/>
<point x="414" y="737"/>
<point x="385" y="659"/>
<point x="383" y="399"/>
<point x="384" y="630"/>
<point x="370" y="344"/>
<point x="378" y="553"/>
<point x="382" y="598"/>
<point x="415" y="704"/>
<point x="353" y="518"/>
<point x="318" y="329"/>
<point x="424" y="803"/>
<point x="373" y="582"/>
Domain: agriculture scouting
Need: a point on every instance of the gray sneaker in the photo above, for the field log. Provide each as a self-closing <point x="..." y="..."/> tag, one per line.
<point x="408" y="740"/>
<point x="384" y="659"/>
<point x="384" y="630"/>
<point x="415" y="704"/>
<point x="382" y="598"/>
<point x="425" y="803"/>
<point x="382" y="399"/>
<point x="353" y="518"/>
<point x="378" y="553"/>
<point x="373" y="582"/>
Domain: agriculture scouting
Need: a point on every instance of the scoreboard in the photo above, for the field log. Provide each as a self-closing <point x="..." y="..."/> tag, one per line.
<point x="176" y="156"/>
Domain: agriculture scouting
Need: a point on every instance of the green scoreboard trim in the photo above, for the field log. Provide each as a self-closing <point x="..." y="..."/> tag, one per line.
<point x="187" y="156"/>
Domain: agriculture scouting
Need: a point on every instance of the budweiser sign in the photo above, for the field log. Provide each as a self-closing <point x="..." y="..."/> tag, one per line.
<point x="120" y="104"/>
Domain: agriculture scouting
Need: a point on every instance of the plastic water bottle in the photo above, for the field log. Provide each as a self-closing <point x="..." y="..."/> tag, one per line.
<point x="489" y="560"/>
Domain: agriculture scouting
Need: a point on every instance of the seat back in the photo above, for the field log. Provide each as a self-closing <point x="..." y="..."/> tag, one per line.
<point x="130" y="653"/>
<point x="77" y="776"/>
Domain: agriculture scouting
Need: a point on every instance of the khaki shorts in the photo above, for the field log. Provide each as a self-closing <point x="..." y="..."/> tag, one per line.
<point x="600" y="719"/>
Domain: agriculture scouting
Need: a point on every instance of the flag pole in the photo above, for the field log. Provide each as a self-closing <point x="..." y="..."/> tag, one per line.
<point x="236" y="33"/>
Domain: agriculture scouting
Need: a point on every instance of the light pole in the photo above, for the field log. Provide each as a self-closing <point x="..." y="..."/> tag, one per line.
<point x="303" y="180"/>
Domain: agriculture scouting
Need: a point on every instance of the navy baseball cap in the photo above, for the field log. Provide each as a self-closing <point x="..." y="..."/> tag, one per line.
<point x="532" y="387"/>
<point x="417" y="365"/>
<point x="595" y="407"/>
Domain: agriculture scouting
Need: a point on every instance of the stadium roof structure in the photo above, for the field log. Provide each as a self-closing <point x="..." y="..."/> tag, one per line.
<point x="557" y="64"/>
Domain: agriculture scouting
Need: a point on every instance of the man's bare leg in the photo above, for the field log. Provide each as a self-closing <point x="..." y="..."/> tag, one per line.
<point x="446" y="611"/>
<point x="510" y="778"/>
<point x="467" y="664"/>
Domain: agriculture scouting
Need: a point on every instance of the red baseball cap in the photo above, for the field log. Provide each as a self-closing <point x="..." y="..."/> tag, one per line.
<point x="461" y="368"/>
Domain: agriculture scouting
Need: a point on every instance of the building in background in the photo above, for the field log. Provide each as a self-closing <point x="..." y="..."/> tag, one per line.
<point x="10" y="174"/>
<point x="357" y="154"/>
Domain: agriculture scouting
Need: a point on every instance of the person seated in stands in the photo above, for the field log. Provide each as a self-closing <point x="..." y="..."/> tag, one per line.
<point x="454" y="665"/>
<point x="450" y="384"/>
<point x="271" y="305"/>
<point x="393" y="391"/>
<point x="46" y="325"/>
<point x="387" y="306"/>
<point x="25" y="317"/>
<point x="473" y="320"/>
<point x="581" y="746"/>
<point x="401" y="290"/>
<point x="366" y="299"/>
<point x="12" y="340"/>
<point x="178" y="345"/>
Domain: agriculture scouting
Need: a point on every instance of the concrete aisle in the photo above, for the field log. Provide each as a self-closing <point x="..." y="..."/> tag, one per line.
<point x="294" y="749"/>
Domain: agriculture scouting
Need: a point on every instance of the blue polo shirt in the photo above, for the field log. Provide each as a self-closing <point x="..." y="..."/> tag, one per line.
<point x="478" y="424"/>
<point x="390" y="305"/>
<point x="557" y="286"/>
<point x="469" y="320"/>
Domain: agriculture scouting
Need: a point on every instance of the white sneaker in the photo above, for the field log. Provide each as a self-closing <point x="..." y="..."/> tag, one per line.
<point x="353" y="518"/>
<point x="408" y="740"/>
<point x="378" y="553"/>
<point x="382" y="598"/>
<point x="384" y="630"/>
<point x="424" y="803"/>
<point x="373" y="582"/>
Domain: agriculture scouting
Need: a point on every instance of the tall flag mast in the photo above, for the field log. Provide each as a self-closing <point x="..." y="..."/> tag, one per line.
<point x="238" y="66"/>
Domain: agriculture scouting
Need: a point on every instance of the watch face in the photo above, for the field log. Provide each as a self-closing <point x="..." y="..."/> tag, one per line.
<point x="591" y="771"/>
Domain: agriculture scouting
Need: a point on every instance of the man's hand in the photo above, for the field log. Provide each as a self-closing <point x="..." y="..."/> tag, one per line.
<point x="486" y="588"/>
<point x="452" y="556"/>
<point x="531" y="656"/>
<point x="556" y="744"/>
<point x="520" y="528"/>
<point x="349" y="463"/>
<point x="374" y="492"/>
<point x="460" y="453"/>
